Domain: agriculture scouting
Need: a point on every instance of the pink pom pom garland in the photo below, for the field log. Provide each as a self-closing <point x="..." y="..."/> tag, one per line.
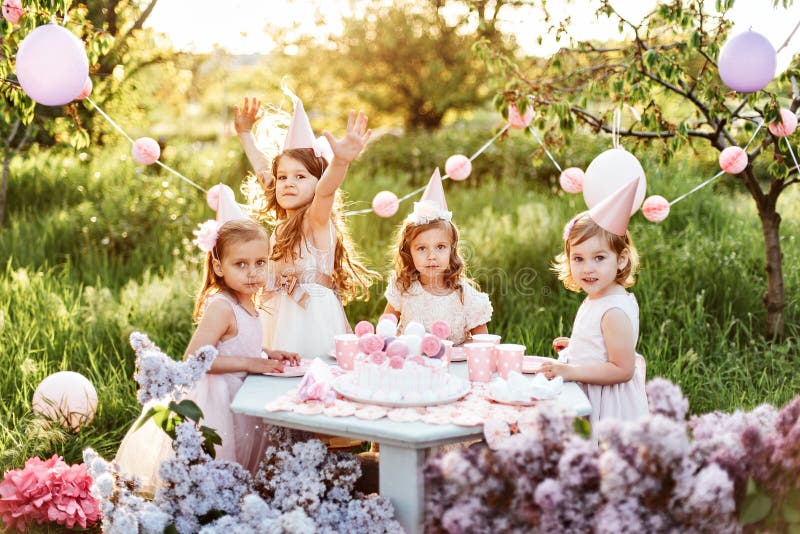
<point x="385" y="204"/>
<point x="212" y="197"/>
<point x="145" y="151"/>
<point x="655" y="208"/>
<point x="571" y="180"/>
<point x="733" y="160"/>
<point x="517" y="121"/>
<point x="458" y="167"/>
<point x="87" y="89"/>
<point x="786" y="126"/>
<point x="12" y="11"/>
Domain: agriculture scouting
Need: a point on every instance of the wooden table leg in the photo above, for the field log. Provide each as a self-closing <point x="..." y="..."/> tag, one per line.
<point x="402" y="482"/>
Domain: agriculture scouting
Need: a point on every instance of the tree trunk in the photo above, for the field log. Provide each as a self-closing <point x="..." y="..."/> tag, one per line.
<point x="774" y="299"/>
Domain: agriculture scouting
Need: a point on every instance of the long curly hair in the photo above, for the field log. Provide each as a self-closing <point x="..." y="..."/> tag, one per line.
<point x="237" y="231"/>
<point x="405" y="272"/>
<point x="352" y="279"/>
<point x="583" y="228"/>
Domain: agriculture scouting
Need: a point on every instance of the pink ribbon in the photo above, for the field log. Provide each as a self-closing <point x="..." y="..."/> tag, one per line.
<point x="289" y="284"/>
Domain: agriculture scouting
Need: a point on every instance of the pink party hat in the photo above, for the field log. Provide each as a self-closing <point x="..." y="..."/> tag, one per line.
<point x="435" y="191"/>
<point x="300" y="134"/>
<point x="614" y="211"/>
<point x="227" y="208"/>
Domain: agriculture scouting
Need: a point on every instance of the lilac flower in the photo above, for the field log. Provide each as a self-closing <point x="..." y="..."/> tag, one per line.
<point x="666" y="398"/>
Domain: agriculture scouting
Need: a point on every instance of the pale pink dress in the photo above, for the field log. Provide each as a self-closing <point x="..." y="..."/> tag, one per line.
<point x="626" y="400"/>
<point x="305" y="329"/>
<point x="416" y="304"/>
<point x="243" y="437"/>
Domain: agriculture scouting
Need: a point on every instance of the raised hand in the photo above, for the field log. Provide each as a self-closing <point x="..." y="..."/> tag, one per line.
<point x="560" y="343"/>
<point x="350" y="146"/>
<point x="244" y="118"/>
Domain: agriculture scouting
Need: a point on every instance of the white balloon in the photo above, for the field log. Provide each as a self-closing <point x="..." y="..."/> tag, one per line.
<point x="608" y="172"/>
<point x="415" y="328"/>
<point x="66" y="397"/>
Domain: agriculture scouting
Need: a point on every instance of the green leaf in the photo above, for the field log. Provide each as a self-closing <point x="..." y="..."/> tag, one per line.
<point x="582" y="427"/>
<point x="756" y="506"/>
<point x="188" y="409"/>
<point x="150" y="413"/>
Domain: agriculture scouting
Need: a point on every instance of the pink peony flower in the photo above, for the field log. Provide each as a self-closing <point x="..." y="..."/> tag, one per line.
<point x="48" y="491"/>
<point x="370" y="343"/>
<point x="396" y="362"/>
<point x="377" y="357"/>
<point x="430" y="345"/>
<point x="440" y="329"/>
<point x="363" y="328"/>
<point x="206" y="235"/>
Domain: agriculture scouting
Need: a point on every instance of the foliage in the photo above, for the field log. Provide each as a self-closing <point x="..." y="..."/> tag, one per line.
<point x="667" y="74"/>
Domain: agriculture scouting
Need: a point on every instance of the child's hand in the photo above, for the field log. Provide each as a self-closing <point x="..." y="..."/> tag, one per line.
<point x="553" y="369"/>
<point x="247" y="116"/>
<point x="560" y="343"/>
<point x="292" y="358"/>
<point x="263" y="365"/>
<point x="350" y="146"/>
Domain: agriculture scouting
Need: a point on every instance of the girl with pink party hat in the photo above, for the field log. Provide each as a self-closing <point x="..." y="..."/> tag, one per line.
<point x="237" y="252"/>
<point x="428" y="283"/>
<point x="314" y="269"/>
<point x="600" y="259"/>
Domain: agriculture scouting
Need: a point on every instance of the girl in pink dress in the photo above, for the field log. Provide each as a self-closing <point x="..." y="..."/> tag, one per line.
<point x="428" y="283"/>
<point x="235" y="272"/>
<point x="601" y="352"/>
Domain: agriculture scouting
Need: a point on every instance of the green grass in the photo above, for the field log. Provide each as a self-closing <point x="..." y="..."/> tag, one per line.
<point x="96" y="247"/>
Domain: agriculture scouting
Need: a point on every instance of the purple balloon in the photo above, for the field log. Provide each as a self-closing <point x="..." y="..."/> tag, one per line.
<point x="52" y="66"/>
<point x="747" y="62"/>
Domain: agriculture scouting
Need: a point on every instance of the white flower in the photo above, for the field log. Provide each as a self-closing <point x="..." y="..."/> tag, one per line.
<point x="426" y="211"/>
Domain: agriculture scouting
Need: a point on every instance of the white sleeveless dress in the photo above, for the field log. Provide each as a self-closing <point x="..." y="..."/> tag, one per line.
<point x="627" y="400"/>
<point x="244" y="437"/>
<point x="306" y="328"/>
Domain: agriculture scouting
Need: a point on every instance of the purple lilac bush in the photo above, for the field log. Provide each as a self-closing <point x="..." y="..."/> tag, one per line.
<point x="719" y="472"/>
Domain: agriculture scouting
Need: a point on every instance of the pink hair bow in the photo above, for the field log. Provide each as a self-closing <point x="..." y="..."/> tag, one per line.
<point x="288" y="283"/>
<point x="206" y="235"/>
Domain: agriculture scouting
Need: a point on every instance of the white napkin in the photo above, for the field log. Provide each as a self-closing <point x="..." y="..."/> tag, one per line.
<point x="519" y="388"/>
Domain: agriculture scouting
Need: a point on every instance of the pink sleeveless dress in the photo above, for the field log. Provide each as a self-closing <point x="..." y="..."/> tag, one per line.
<point x="243" y="437"/>
<point x="301" y="314"/>
<point x="627" y="400"/>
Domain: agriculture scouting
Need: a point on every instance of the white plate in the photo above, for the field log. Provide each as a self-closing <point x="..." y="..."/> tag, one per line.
<point x="531" y="364"/>
<point x="341" y="386"/>
<point x="331" y="354"/>
<point x="290" y="371"/>
<point x="458" y="354"/>
<point x="530" y="402"/>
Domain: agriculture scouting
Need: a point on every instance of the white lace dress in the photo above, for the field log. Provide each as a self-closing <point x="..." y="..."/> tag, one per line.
<point x="303" y="325"/>
<point x="417" y="304"/>
<point x="627" y="400"/>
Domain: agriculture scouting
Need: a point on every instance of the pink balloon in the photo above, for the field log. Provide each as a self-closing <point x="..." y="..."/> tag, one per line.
<point x="608" y="172"/>
<point x="786" y="126"/>
<point x="655" y="208"/>
<point x="733" y="160"/>
<point x="52" y="66"/>
<point x="517" y="121"/>
<point x="385" y="204"/>
<point x="212" y="197"/>
<point x="66" y="397"/>
<point x="87" y="89"/>
<point x="458" y="167"/>
<point x="571" y="180"/>
<point x="146" y="151"/>
<point x="12" y="10"/>
<point x="747" y="62"/>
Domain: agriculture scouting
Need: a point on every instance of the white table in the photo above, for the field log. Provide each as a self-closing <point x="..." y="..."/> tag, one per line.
<point x="404" y="447"/>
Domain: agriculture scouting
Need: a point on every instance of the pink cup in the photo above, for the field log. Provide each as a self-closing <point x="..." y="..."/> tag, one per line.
<point x="346" y="350"/>
<point x="493" y="339"/>
<point x="509" y="358"/>
<point x="448" y="346"/>
<point x="479" y="361"/>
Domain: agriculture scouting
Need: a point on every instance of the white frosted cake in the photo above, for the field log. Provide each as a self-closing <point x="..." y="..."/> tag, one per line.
<point x="407" y="369"/>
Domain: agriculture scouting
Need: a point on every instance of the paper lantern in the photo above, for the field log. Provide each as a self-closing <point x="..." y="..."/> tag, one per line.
<point x="67" y="398"/>
<point x="517" y="121"/>
<point x="786" y="126"/>
<point x="458" y="167"/>
<point x="212" y="197"/>
<point x="655" y="208"/>
<point x="747" y="62"/>
<point x="87" y="89"/>
<point x="12" y="10"/>
<point x="608" y="172"/>
<point x="385" y="204"/>
<point x="733" y="160"/>
<point x="146" y="151"/>
<point x="571" y="180"/>
<point x="52" y="66"/>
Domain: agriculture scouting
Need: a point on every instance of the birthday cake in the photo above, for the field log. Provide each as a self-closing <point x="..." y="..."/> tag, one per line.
<point x="402" y="369"/>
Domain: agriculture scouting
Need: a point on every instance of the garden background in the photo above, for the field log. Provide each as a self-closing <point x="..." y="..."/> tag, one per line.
<point x="95" y="246"/>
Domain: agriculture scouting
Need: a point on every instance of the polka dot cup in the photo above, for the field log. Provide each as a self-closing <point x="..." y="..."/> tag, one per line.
<point x="509" y="358"/>
<point x="479" y="361"/>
